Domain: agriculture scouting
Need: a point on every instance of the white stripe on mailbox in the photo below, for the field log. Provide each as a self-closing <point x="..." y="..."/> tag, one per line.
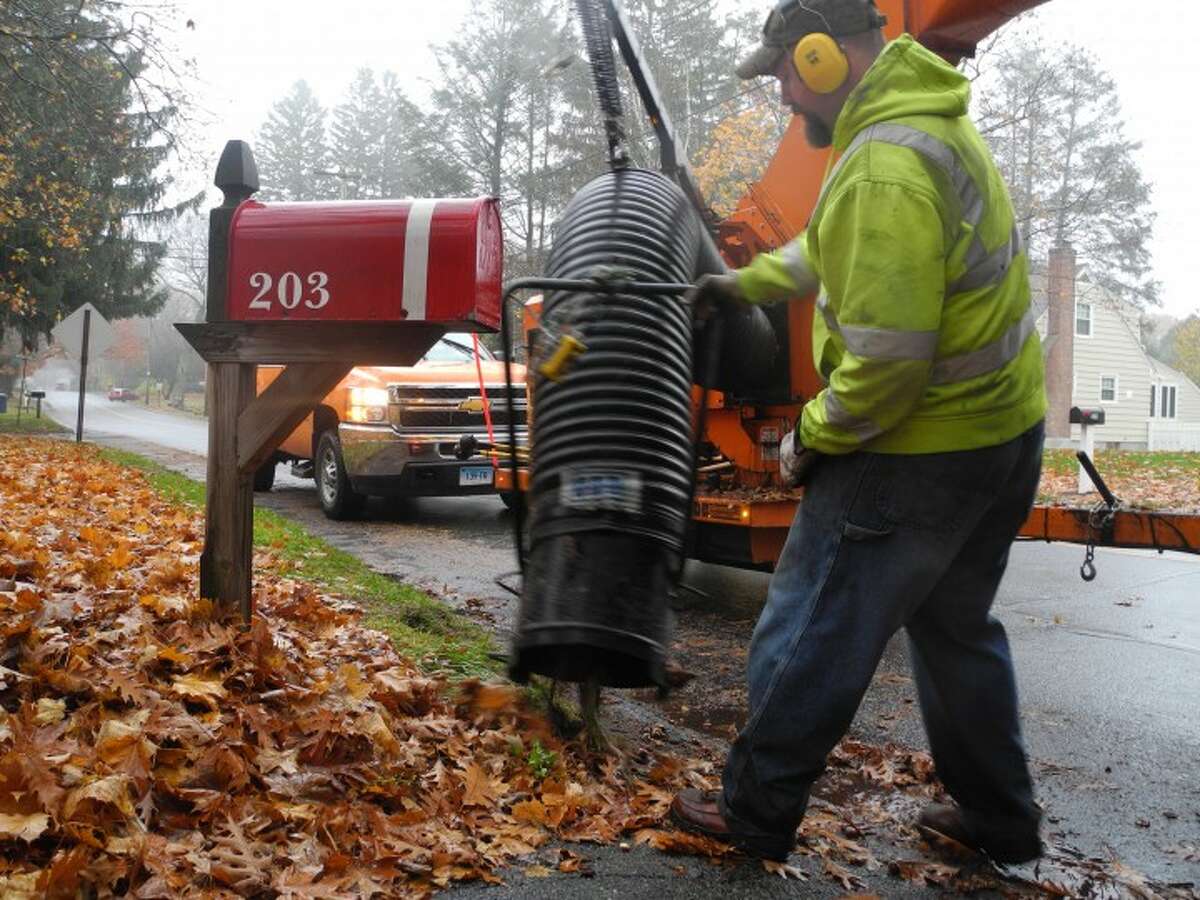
<point x="416" y="257"/>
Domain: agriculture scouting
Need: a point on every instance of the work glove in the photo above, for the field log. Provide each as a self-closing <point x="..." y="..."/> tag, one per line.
<point x="795" y="460"/>
<point x="715" y="293"/>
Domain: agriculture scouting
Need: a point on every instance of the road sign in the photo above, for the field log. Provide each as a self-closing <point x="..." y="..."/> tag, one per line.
<point x="69" y="333"/>
<point x="83" y="333"/>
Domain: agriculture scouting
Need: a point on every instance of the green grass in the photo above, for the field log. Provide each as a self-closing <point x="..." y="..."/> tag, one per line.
<point x="1121" y="463"/>
<point x="422" y="628"/>
<point x="28" y="424"/>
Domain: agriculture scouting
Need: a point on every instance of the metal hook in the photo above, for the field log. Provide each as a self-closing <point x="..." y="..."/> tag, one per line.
<point x="1088" y="570"/>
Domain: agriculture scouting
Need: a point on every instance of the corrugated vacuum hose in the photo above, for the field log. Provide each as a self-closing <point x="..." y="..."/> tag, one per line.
<point x="612" y="466"/>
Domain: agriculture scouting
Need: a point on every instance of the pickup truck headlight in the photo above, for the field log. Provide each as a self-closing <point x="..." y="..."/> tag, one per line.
<point x="367" y="404"/>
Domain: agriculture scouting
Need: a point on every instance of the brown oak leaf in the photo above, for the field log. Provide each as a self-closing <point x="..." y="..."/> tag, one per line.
<point x="478" y="787"/>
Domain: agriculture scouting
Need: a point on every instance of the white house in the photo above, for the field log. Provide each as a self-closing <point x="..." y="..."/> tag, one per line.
<point x="1147" y="404"/>
<point x="1174" y="422"/>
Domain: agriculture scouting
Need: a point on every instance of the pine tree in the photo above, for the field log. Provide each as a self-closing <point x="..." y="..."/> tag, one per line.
<point x="411" y="161"/>
<point x="483" y="73"/>
<point x="86" y="122"/>
<point x="291" y="150"/>
<point x="518" y="111"/>
<point x="356" y="138"/>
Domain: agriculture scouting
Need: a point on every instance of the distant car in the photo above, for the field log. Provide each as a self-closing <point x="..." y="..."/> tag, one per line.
<point x="120" y="393"/>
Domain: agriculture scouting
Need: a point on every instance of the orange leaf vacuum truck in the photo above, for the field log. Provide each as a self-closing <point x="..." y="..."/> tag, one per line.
<point x="740" y="514"/>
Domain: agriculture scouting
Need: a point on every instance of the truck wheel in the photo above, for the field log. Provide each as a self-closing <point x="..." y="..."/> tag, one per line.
<point x="264" y="475"/>
<point x="338" y="499"/>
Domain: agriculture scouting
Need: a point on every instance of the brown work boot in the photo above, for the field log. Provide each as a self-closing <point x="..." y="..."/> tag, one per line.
<point x="698" y="812"/>
<point x="940" y="820"/>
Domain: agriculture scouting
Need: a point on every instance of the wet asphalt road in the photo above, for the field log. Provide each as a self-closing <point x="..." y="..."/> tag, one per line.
<point x="104" y="418"/>
<point x="1109" y="672"/>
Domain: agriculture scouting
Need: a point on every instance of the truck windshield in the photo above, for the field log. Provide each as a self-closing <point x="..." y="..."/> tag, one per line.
<point x="455" y="348"/>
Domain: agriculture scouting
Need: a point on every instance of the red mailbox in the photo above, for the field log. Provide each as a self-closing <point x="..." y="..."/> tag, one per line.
<point x="436" y="261"/>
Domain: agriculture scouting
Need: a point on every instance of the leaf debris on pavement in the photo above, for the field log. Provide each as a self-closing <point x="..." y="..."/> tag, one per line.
<point x="150" y="747"/>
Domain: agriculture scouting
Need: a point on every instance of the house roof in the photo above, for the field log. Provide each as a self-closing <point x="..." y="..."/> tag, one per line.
<point x="1090" y="292"/>
<point x="1165" y="372"/>
<point x="1087" y="291"/>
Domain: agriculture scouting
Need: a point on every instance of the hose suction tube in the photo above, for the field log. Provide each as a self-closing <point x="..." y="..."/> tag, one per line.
<point x="611" y="475"/>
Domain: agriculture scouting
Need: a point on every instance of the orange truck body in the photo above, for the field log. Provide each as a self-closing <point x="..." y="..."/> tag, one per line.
<point x="300" y="443"/>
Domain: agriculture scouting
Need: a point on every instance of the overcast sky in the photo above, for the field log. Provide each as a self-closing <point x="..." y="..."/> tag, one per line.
<point x="249" y="52"/>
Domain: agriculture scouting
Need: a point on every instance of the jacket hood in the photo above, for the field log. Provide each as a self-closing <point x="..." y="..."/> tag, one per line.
<point x="905" y="80"/>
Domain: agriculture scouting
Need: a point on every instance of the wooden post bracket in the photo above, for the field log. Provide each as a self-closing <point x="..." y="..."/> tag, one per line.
<point x="274" y="413"/>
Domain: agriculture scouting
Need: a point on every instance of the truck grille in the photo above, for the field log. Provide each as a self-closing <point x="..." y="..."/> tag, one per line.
<point x="444" y="418"/>
<point x="434" y="407"/>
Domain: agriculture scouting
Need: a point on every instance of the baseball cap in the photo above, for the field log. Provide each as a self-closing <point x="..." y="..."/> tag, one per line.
<point x="791" y="20"/>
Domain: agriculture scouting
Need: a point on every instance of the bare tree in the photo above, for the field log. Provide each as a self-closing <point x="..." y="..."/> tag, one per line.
<point x="185" y="266"/>
<point x="1054" y="123"/>
<point x="185" y="273"/>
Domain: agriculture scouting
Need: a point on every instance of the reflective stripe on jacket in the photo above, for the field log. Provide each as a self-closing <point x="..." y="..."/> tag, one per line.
<point x="924" y="332"/>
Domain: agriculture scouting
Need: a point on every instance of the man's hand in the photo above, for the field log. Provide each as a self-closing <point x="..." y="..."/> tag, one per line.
<point x="795" y="463"/>
<point x="715" y="293"/>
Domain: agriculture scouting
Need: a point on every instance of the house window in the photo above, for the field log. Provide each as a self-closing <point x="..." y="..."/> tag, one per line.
<point x="1153" y="398"/>
<point x="1083" y="319"/>
<point x="1166" y="401"/>
<point x="1108" y="388"/>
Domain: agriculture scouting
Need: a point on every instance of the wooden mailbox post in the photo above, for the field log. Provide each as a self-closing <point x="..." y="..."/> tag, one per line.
<point x="318" y="288"/>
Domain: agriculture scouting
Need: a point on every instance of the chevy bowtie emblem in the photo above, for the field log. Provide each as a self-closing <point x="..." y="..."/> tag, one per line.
<point x="472" y="404"/>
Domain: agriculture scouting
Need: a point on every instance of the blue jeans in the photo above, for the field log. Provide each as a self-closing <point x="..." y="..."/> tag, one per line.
<point x="880" y="542"/>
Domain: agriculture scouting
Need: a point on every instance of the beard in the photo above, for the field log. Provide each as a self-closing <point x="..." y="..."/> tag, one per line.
<point x="816" y="132"/>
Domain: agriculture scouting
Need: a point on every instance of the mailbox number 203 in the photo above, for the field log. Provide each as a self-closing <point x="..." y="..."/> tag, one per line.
<point x="290" y="290"/>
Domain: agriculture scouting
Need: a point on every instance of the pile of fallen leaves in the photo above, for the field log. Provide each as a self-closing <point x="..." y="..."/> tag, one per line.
<point x="150" y="748"/>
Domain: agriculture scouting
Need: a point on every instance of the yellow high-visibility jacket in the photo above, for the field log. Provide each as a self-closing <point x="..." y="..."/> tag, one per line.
<point x="923" y="332"/>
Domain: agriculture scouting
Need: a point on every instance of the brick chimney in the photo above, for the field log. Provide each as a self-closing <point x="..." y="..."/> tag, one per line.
<point x="1060" y="336"/>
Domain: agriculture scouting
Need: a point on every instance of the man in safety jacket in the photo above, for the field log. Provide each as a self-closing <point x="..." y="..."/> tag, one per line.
<point x="921" y="455"/>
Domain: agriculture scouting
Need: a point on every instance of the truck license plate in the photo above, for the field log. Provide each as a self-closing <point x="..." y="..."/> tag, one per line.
<point x="474" y="476"/>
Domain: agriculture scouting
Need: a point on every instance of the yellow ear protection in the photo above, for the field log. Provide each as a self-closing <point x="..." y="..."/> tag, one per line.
<point x="819" y="59"/>
<point x="821" y="63"/>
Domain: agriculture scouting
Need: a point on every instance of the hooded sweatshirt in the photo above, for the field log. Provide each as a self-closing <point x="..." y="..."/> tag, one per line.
<point x="923" y="332"/>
